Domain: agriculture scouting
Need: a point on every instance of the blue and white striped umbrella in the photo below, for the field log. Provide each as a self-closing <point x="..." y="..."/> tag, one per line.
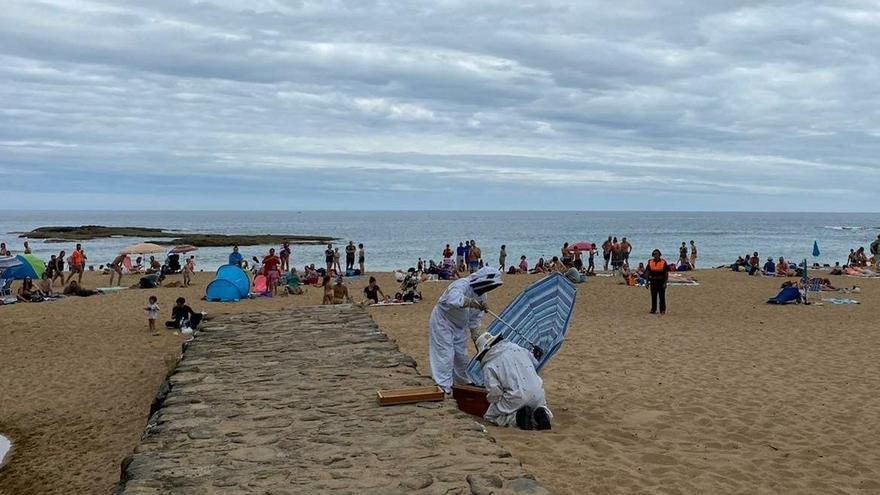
<point x="537" y="319"/>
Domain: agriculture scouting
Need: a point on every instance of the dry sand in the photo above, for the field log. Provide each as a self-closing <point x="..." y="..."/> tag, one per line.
<point x="724" y="394"/>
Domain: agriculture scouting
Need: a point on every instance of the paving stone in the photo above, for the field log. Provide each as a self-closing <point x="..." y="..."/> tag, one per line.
<point x="285" y="402"/>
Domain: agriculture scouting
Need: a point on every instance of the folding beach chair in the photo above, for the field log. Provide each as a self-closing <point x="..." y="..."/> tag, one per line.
<point x="5" y="287"/>
<point x="813" y="286"/>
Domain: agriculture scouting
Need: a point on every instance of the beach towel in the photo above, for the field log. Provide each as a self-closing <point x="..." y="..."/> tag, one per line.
<point x="392" y="303"/>
<point x="786" y="295"/>
<point x="840" y="300"/>
<point x="110" y="290"/>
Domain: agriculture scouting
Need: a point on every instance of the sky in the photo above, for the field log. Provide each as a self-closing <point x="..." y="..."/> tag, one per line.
<point x="450" y="104"/>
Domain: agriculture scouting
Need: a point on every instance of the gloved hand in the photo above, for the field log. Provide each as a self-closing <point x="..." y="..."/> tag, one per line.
<point x="474" y="303"/>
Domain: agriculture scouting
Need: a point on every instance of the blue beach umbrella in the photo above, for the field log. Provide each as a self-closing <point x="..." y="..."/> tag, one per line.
<point x="30" y="266"/>
<point x="815" y="249"/>
<point x="536" y="320"/>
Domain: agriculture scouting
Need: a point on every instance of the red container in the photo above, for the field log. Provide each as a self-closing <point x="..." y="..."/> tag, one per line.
<point x="471" y="400"/>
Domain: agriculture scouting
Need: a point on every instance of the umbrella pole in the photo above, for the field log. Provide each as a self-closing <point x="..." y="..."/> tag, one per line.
<point x="508" y="325"/>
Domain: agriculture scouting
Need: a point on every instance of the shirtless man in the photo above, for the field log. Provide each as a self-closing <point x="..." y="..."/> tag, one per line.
<point x="606" y="251"/>
<point x="116" y="267"/>
<point x="693" y="255"/>
<point x="625" y="249"/>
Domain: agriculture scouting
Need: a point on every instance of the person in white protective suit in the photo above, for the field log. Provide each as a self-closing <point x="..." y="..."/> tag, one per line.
<point x="458" y="310"/>
<point x="514" y="390"/>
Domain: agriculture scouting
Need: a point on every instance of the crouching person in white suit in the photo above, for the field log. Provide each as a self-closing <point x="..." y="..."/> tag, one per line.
<point x="515" y="391"/>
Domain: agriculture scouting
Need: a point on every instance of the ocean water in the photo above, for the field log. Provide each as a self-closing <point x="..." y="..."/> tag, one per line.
<point x="397" y="239"/>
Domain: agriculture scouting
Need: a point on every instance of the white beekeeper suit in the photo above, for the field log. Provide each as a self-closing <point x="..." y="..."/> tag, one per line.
<point x="459" y="310"/>
<point x="512" y="384"/>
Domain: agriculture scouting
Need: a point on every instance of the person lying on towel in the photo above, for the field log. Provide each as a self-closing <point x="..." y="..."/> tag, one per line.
<point x="514" y="390"/>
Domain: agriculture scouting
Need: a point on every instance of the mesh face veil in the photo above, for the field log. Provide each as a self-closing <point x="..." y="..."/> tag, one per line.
<point x="485" y="279"/>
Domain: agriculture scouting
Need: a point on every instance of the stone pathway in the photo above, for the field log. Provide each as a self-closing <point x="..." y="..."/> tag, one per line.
<point x="285" y="403"/>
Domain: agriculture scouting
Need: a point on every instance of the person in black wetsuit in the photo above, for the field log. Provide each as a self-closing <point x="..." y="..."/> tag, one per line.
<point x="182" y="312"/>
<point x="657" y="273"/>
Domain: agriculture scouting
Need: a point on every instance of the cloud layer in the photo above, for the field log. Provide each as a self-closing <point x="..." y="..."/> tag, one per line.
<point x="446" y="104"/>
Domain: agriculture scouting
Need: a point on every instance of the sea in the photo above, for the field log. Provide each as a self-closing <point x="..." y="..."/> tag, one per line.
<point x="397" y="239"/>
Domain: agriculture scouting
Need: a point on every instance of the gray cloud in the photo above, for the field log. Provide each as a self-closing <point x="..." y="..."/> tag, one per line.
<point x="715" y="105"/>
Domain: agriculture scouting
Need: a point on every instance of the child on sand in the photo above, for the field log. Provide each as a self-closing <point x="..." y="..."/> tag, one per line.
<point x="189" y="269"/>
<point x="152" y="312"/>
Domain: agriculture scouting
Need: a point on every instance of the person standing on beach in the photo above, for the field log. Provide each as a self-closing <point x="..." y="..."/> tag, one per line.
<point x="683" y="254"/>
<point x="875" y="252"/>
<point x="502" y="257"/>
<point x="27" y="248"/>
<point x="235" y="258"/>
<point x="361" y="258"/>
<point x="459" y="255"/>
<point x="59" y="268"/>
<point x="657" y="274"/>
<point x="285" y="256"/>
<point x="459" y="310"/>
<point x="591" y="268"/>
<point x="350" y="251"/>
<point x="625" y="249"/>
<point x="76" y="263"/>
<point x="270" y="269"/>
<point x="606" y="251"/>
<point x="693" y="255"/>
<point x="152" y="313"/>
<point x="116" y="267"/>
<point x="328" y="257"/>
<point x="474" y="257"/>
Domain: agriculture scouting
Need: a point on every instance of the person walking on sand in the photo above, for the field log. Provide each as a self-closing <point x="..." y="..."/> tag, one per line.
<point x="658" y="275"/>
<point x="502" y="257"/>
<point x="116" y="268"/>
<point x="59" y="268"/>
<point x="76" y="263"/>
<point x="693" y="255"/>
<point x="361" y="258"/>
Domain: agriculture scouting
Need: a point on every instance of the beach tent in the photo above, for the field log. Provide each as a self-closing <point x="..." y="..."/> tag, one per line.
<point x="30" y="266"/>
<point x="789" y="294"/>
<point x="230" y="284"/>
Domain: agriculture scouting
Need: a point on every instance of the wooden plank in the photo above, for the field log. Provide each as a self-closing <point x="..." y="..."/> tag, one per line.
<point x="409" y="395"/>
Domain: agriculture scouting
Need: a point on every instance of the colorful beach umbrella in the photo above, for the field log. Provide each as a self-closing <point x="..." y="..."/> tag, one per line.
<point x="186" y="248"/>
<point x="536" y="320"/>
<point x="9" y="262"/>
<point x="583" y="245"/>
<point x="143" y="248"/>
<point x="30" y="266"/>
<point x="815" y="248"/>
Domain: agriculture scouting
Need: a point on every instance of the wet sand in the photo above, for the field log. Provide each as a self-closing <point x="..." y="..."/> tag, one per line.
<point x="725" y="394"/>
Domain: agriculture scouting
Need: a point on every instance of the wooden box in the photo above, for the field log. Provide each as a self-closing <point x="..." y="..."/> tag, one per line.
<point x="409" y="395"/>
<point x="470" y="399"/>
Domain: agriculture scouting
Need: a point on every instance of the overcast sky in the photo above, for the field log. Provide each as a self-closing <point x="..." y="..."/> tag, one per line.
<point x="453" y="104"/>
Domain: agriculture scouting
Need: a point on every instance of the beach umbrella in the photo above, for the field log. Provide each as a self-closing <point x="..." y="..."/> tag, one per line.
<point x="583" y="245"/>
<point x="29" y="266"/>
<point x="186" y="248"/>
<point x="536" y="320"/>
<point x="143" y="248"/>
<point x="9" y="262"/>
<point x="815" y="249"/>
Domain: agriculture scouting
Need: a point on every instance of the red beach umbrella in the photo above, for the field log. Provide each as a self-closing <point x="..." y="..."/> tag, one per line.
<point x="186" y="248"/>
<point x="583" y="245"/>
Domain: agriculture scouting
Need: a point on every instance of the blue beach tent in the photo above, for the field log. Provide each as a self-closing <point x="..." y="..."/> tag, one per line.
<point x="230" y="284"/>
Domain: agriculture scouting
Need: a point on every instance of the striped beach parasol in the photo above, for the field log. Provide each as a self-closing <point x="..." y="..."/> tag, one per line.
<point x="143" y="248"/>
<point x="536" y="320"/>
<point x="30" y="266"/>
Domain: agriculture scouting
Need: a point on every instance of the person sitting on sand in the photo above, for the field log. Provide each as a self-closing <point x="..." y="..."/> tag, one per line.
<point x="861" y="258"/>
<point x="45" y="285"/>
<point x="138" y="265"/>
<point x="235" y="258"/>
<point x="183" y="316"/>
<point x="372" y="292"/>
<point x="523" y="265"/>
<point x="770" y="268"/>
<point x="556" y="265"/>
<point x="514" y="390"/>
<point x="27" y="291"/>
<point x="340" y="292"/>
<point x="782" y="269"/>
<point x="155" y="266"/>
<point x="3" y="250"/>
<point x="754" y="264"/>
<point x="292" y="282"/>
<point x="540" y="266"/>
<point x="74" y="289"/>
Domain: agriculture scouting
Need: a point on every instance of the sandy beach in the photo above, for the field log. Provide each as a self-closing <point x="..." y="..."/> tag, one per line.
<point x="725" y="394"/>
